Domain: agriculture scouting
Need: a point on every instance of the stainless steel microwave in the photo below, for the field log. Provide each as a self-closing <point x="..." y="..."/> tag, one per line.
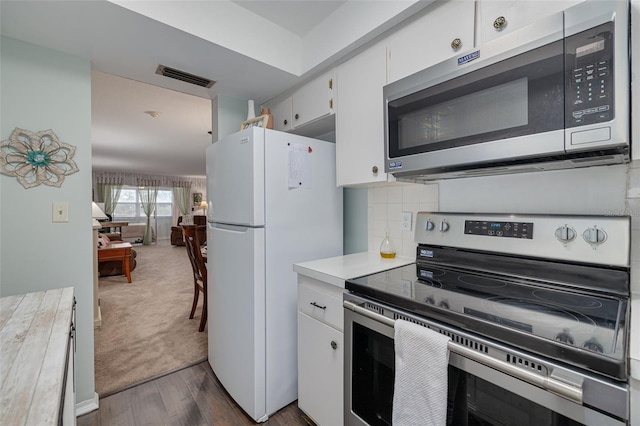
<point x="552" y="95"/>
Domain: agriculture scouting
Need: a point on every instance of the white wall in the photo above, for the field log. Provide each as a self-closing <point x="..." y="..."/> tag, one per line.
<point x="226" y="115"/>
<point x="43" y="89"/>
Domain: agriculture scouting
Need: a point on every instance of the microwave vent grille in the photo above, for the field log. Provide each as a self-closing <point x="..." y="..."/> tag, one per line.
<point x="481" y="172"/>
<point x="604" y="159"/>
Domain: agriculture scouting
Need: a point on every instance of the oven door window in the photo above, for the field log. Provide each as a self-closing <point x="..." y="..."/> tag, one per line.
<point x="519" y="96"/>
<point x="471" y="400"/>
<point x="372" y="375"/>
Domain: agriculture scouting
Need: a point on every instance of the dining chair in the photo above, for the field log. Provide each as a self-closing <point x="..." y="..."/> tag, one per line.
<point x="192" y="243"/>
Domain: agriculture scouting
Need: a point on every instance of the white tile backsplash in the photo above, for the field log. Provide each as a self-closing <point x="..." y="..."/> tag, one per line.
<point x="386" y="205"/>
<point x="380" y="212"/>
<point x="394" y="212"/>
<point x="394" y="194"/>
<point x="378" y="195"/>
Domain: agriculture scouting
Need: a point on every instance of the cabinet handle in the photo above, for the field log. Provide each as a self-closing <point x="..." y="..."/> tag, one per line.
<point x="285" y="122"/>
<point x="456" y="43"/>
<point x="334" y="345"/>
<point x="317" y="306"/>
<point x="330" y="83"/>
<point x="296" y="116"/>
<point x="374" y="169"/>
<point x="499" y="23"/>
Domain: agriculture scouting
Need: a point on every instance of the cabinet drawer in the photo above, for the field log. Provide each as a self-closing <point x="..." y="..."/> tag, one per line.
<point x="321" y="306"/>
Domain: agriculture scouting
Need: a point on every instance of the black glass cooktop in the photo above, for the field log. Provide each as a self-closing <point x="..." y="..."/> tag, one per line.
<point x="548" y="318"/>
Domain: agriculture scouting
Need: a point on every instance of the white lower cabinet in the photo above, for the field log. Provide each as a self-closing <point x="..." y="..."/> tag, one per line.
<point x="320" y="351"/>
<point x="321" y="286"/>
<point x="320" y="371"/>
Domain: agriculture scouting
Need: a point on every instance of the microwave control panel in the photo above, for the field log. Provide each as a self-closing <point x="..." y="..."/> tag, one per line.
<point x="589" y="80"/>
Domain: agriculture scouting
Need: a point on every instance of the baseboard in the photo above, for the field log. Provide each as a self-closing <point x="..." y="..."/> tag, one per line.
<point x="97" y="322"/>
<point x="87" y="406"/>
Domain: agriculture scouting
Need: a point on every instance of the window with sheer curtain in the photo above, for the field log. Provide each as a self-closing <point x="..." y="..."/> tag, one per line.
<point x="130" y="207"/>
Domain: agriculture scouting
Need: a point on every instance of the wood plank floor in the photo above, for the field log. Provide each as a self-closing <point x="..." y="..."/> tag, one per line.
<point x="189" y="397"/>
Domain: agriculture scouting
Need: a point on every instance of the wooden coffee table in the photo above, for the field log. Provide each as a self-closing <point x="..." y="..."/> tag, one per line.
<point x="117" y="251"/>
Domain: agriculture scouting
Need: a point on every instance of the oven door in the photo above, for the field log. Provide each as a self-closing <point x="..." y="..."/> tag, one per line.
<point x="477" y="393"/>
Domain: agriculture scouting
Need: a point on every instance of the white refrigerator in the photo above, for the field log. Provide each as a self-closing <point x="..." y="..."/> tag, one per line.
<point x="273" y="202"/>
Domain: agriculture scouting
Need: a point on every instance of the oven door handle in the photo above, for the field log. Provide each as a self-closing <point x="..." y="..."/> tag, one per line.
<point x="563" y="389"/>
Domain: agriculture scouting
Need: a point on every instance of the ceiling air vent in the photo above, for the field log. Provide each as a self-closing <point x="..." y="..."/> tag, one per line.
<point x="184" y="76"/>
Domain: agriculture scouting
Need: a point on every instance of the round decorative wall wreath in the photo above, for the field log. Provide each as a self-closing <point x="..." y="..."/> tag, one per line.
<point x="36" y="158"/>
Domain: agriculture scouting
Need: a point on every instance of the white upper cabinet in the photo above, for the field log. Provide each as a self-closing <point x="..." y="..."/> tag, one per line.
<point x="313" y="100"/>
<point x="496" y="18"/>
<point x="308" y="103"/>
<point x="360" y="118"/>
<point x="282" y="112"/>
<point x="444" y="29"/>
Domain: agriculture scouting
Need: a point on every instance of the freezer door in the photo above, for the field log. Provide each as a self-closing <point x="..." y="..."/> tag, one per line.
<point x="235" y="179"/>
<point x="236" y="305"/>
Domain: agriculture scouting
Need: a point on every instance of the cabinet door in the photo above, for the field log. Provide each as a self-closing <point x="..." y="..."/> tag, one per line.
<point x="320" y="371"/>
<point x="281" y="112"/>
<point x="429" y="39"/>
<point x="360" y="118"/>
<point x="516" y="14"/>
<point x="313" y="100"/>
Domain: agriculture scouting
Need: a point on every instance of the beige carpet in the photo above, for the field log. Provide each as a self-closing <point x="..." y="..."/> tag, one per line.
<point x="146" y="330"/>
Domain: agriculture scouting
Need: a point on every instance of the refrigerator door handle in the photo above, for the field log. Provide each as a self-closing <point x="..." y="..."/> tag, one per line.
<point x="231" y="228"/>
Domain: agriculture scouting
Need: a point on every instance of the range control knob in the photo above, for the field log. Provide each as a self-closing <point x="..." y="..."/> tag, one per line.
<point x="443" y="226"/>
<point x="565" y="234"/>
<point x="443" y="305"/>
<point x="430" y="300"/>
<point x="428" y="225"/>
<point x="564" y="337"/>
<point x="593" y="345"/>
<point x="594" y="235"/>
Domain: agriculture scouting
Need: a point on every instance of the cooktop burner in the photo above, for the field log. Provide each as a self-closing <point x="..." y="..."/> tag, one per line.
<point x="547" y="316"/>
<point x="567" y="300"/>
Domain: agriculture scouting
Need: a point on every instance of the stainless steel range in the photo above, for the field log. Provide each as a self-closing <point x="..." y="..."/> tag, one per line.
<point x="536" y="307"/>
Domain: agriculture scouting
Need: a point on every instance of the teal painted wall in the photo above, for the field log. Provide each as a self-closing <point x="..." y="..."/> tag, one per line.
<point x="355" y="220"/>
<point x="227" y="114"/>
<point x="43" y="89"/>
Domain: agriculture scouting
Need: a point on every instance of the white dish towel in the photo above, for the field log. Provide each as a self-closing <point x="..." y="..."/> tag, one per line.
<point x="422" y="357"/>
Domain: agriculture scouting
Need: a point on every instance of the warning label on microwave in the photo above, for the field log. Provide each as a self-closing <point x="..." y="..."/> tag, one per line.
<point x="468" y="57"/>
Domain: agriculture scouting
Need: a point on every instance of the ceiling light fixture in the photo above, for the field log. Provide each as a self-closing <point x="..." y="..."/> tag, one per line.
<point x="153" y="114"/>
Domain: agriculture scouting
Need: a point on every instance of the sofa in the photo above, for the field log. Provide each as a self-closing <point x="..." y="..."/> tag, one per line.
<point x="176" y="231"/>
<point x="113" y="267"/>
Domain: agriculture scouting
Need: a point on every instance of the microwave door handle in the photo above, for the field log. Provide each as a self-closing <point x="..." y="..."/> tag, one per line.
<point x="566" y="390"/>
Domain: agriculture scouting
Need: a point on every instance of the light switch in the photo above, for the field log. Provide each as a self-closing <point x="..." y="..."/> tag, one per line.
<point x="61" y="212"/>
<point x="406" y="221"/>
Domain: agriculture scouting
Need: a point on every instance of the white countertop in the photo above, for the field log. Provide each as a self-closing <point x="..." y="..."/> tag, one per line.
<point x="335" y="270"/>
